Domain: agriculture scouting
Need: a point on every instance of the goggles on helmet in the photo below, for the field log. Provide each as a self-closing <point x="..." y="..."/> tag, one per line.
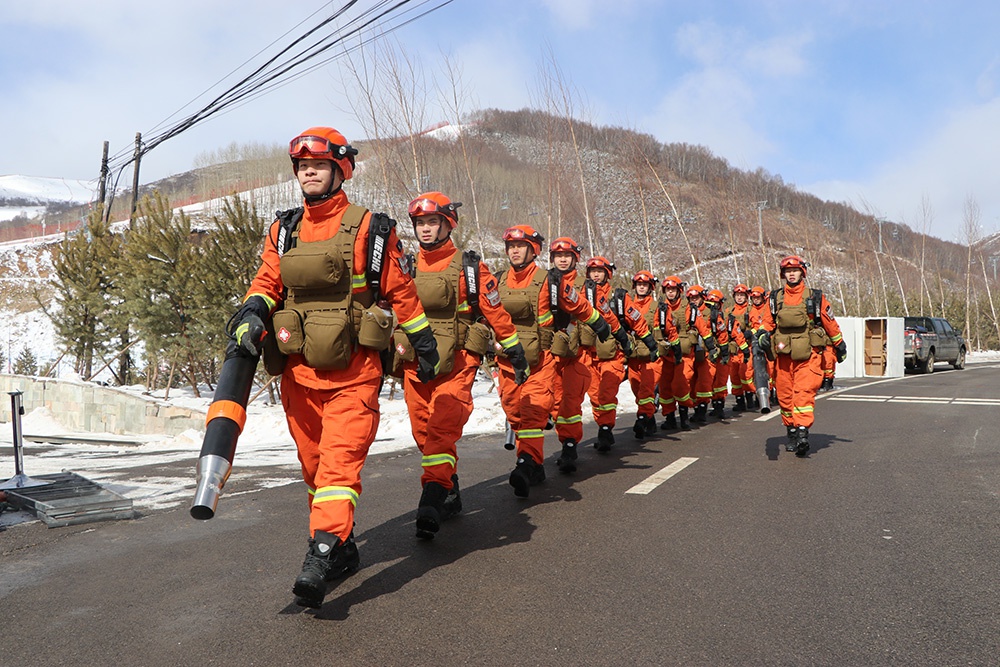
<point x="518" y="234"/>
<point x="741" y="289"/>
<point x="565" y="245"/>
<point x="318" y="148"/>
<point x="431" y="207"/>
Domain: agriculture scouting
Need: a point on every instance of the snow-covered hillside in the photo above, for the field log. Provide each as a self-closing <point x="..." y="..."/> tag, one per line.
<point x="28" y="196"/>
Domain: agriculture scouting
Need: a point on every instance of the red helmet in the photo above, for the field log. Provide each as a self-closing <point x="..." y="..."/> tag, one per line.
<point x="757" y="290"/>
<point x="715" y="296"/>
<point x="793" y="262"/>
<point x="644" y="277"/>
<point x="695" y="290"/>
<point x="741" y="289"/>
<point x="324" y="143"/>
<point x="524" y="233"/>
<point x="601" y="263"/>
<point x="431" y="203"/>
<point x="565" y="244"/>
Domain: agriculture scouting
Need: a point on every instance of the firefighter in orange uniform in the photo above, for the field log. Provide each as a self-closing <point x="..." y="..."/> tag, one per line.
<point x="671" y="391"/>
<point x="459" y="318"/>
<point x="796" y="327"/>
<point x="572" y="376"/>
<point x="740" y="369"/>
<point x="607" y="361"/>
<point x="316" y="269"/>
<point x="526" y="295"/>
<point x="705" y="358"/>
<point x="645" y="368"/>
<point x="732" y="345"/>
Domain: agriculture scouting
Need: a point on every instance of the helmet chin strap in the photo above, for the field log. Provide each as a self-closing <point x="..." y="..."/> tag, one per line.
<point x="316" y="199"/>
<point x="433" y="244"/>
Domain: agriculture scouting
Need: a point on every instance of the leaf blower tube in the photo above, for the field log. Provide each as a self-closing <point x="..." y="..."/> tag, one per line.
<point x="226" y="416"/>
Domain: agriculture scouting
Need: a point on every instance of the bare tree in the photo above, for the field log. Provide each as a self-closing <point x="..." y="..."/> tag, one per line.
<point x="972" y="235"/>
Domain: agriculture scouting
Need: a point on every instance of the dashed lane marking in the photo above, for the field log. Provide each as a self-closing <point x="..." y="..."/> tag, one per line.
<point x="657" y="478"/>
<point x="933" y="400"/>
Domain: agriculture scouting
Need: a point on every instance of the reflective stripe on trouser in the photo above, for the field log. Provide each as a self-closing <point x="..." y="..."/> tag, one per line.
<point x="439" y="411"/>
<point x="571" y="380"/>
<point x="529" y="405"/>
<point x="829" y="362"/>
<point x="664" y="389"/>
<point x="643" y="376"/>
<point x="796" y="383"/>
<point x="683" y="384"/>
<point x="720" y="387"/>
<point x="704" y="381"/>
<point x="737" y="375"/>
<point x="332" y="429"/>
<point x="605" y="378"/>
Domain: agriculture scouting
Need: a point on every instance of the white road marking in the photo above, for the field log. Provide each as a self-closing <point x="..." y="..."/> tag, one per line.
<point x="657" y="478"/>
<point x="933" y="400"/>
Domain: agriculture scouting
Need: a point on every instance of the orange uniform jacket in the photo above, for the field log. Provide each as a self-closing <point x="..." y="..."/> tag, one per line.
<point x="320" y="223"/>
<point x="796" y="295"/>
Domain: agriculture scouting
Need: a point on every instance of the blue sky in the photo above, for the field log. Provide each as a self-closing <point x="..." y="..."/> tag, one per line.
<point x="883" y="105"/>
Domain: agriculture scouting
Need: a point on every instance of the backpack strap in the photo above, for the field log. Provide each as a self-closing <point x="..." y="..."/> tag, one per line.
<point x="288" y="223"/>
<point x="470" y="267"/>
<point x="813" y="305"/>
<point x="379" y="229"/>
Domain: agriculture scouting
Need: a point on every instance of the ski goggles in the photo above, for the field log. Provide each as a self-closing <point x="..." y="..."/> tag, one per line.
<point x="565" y="245"/>
<point x="430" y="207"/>
<point x="319" y="148"/>
<point x="518" y="234"/>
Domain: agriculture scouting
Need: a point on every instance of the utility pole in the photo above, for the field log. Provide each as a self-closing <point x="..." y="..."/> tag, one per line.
<point x="761" y="205"/>
<point x="880" y="221"/>
<point x="103" y="186"/>
<point x="135" y="177"/>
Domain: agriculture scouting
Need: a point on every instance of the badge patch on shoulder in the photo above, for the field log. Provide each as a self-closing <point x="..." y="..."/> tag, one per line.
<point x="494" y="298"/>
<point x="571" y="294"/>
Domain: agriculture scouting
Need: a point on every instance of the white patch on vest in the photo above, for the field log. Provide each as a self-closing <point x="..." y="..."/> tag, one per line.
<point x="400" y="350"/>
<point x="284" y="334"/>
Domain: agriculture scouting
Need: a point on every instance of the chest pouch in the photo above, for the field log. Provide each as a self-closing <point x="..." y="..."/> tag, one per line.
<point x="310" y="266"/>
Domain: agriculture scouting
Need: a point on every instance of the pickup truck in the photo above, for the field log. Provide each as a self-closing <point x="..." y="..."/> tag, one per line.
<point x="928" y="340"/>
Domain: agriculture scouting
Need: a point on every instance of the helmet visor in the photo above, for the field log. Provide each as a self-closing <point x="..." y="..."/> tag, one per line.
<point x="430" y="207"/>
<point x="310" y="146"/>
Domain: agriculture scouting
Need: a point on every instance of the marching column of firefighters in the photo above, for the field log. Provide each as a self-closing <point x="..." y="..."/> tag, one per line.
<point x="336" y="306"/>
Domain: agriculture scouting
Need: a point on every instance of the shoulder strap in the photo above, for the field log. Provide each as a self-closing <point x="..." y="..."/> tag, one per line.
<point x="774" y="301"/>
<point x="590" y="291"/>
<point x="618" y="301"/>
<point x="470" y="267"/>
<point x="288" y="222"/>
<point x="555" y="283"/>
<point x="815" y="305"/>
<point x="379" y="229"/>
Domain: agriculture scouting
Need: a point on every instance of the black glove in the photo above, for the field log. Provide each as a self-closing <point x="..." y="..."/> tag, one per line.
<point x="623" y="342"/>
<point x="841" y="350"/>
<point x="520" y="363"/>
<point x="724" y="357"/>
<point x="764" y="340"/>
<point x="746" y="356"/>
<point x="601" y="328"/>
<point x="650" y="342"/>
<point x="246" y="326"/>
<point x="428" y="361"/>
<point x="678" y="355"/>
<point x="713" y="349"/>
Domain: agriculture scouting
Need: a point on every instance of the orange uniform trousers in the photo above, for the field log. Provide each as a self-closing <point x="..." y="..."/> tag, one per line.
<point x="829" y="362"/>
<point x="439" y="411"/>
<point x="664" y="384"/>
<point x="720" y="383"/>
<point x="740" y="375"/>
<point x="644" y="376"/>
<point x="683" y="381"/>
<point x="572" y="379"/>
<point x="529" y="405"/>
<point x="606" y="376"/>
<point x="704" y="380"/>
<point x="796" y="383"/>
<point x="332" y="429"/>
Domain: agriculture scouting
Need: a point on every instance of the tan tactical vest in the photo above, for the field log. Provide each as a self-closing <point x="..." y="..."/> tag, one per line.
<point x="522" y="306"/>
<point x="320" y="317"/>
<point x="686" y="333"/>
<point x="797" y="333"/>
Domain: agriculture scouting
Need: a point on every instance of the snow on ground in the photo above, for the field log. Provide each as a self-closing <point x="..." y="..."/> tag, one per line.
<point x="47" y="189"/>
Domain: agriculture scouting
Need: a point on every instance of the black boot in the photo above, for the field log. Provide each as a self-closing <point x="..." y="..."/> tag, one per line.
<point x="802" y="444"/>
<point x="774" y="397"/>
<point x="669" y="422"/>
<point x="452" y="505"/>
<point x="429" y="510"/>
<point x="827" y="384"/>
<point x="700" y="413"/>
<point x="741" y="403"/>
<point x="567" y="459"/>
<point x="326" y="560"/>
<point x="526" y="474"/>
<point x="605" y="438"/>
<point x="650" y="421"/>
<point x="685" y="426"/>
<point x="793" y="438"/>
<point x="639" y="428"/>
<point x="717" y="410"/>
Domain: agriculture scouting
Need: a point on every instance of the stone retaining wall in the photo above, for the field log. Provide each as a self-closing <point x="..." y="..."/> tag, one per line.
<point x="83" y="407"/>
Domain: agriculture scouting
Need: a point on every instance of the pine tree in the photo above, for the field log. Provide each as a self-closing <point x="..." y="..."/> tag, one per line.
<point x="26" y="363"/>
<point x="85" y="275"/>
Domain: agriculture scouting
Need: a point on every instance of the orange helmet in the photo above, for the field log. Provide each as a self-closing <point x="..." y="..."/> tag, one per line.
<point x="715" y="296"/>
<point x="565" y="244"/>
<point x="672" y="281"/>
<point x="644" y="277"/>
<point x="524" y="233"/>
<point x="324" y="143"/>
<point x="435" y="203"/>
<point x="695" y="290"/>
<point x="757" y="290"/>
<point x="793" y="262"/>
<point x="601" y="263"/>
<point x="741" y="289"/>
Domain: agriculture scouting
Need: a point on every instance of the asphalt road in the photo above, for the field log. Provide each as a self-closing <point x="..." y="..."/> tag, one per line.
<point x="879" y="548"/>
